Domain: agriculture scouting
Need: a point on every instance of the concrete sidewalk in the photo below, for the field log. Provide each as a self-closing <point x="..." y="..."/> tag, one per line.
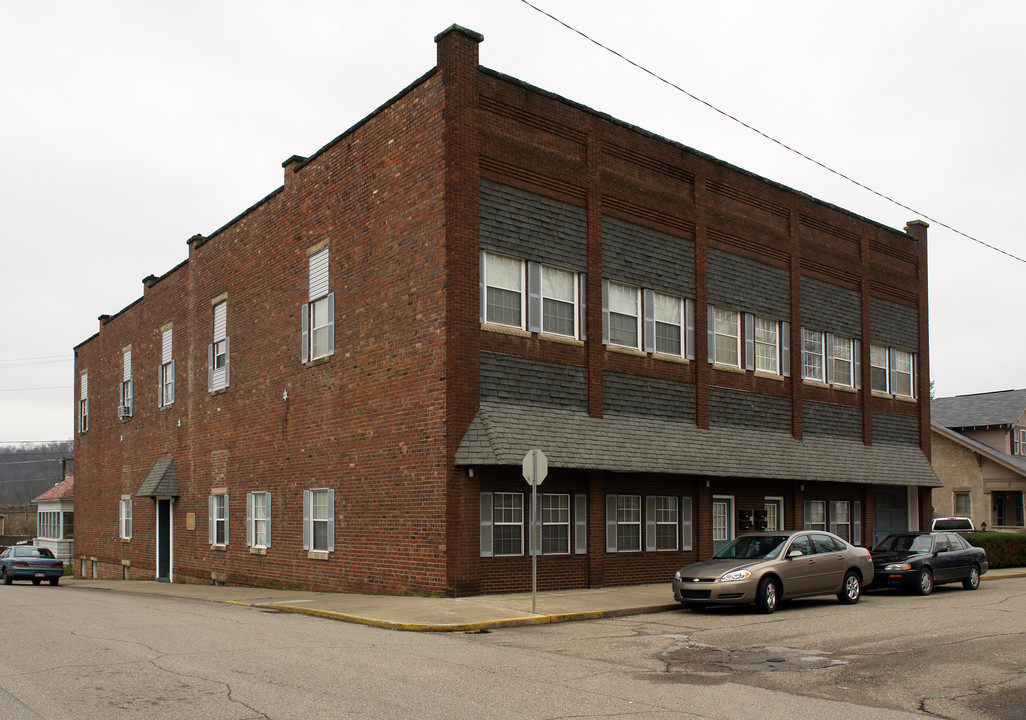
<point x="434" y="614"/>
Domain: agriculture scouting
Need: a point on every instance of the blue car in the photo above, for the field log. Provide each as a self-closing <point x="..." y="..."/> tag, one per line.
<point x="26" y="562"/>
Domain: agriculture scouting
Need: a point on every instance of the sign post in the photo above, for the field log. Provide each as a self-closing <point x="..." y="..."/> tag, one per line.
<point x="536" y="467"/>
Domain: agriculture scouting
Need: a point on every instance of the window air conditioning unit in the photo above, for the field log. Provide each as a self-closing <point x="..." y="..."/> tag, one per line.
<point x="124" y="412"/>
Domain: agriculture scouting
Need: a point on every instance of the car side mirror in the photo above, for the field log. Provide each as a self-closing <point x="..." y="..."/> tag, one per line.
<point x="794" y="554"/>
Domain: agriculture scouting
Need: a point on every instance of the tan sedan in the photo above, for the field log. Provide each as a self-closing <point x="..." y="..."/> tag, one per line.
<point x="763" y="568"/>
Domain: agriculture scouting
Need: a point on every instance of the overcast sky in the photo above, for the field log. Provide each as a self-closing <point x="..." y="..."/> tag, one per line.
<point x="128" y="127"/>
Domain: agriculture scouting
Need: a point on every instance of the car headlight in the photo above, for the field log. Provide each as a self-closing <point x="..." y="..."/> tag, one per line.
<point x="736" y="575"/>
<point x="677" y="575"/>
<point x="897" y="567"/>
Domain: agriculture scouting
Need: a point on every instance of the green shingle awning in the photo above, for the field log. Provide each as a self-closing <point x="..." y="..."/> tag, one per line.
<point x="162" y="480"/>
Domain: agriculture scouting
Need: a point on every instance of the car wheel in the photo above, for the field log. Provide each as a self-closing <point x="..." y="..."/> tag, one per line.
<point x="7" y="577"/>
<point x="36" y="581"/>
<point x="767" y="596"/>
<point x="973" y="581"/>
<point x="925" y="584"/>
<point x="851" y="589"/>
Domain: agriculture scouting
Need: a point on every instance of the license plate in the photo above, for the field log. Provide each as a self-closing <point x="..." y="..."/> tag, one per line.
<point x="40" y="574"/>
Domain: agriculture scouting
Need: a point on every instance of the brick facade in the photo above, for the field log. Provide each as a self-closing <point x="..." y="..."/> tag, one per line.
<point x="465" y="160"/>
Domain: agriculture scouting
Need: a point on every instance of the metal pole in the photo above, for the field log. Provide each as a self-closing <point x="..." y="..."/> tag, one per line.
<point x="534" y="534"/>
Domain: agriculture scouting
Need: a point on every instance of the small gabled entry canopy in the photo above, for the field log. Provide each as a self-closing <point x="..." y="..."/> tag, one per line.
<point x="162" y="480"/>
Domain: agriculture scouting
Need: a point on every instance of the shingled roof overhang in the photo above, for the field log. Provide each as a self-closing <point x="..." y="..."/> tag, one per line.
<point x="162" y="480"/>
<point x="502" y="433"/>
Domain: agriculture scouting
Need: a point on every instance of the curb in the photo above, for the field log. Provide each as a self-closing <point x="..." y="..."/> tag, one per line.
<point x="479" y="626"/>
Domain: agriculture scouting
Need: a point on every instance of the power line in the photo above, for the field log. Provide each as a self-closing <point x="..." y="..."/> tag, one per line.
<point x="51" y="387"/>
<point x="772" y="139"/>
<point x="33" y="362"/>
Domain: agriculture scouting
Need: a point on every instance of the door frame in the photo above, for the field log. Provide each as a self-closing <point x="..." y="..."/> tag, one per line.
<point x="727" y="500"/>
<point x="164" y="532"/>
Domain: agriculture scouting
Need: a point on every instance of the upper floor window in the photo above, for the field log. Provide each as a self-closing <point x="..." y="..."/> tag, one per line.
<point x="668" y="314"/>
<point x="559" y="301"/>
<point x="503" y="284"/>
<point x="318" y="313"/>
<point x="767" y="345"/>
<point x="83" y="402"/>
<point x="902" y="374"/>
<point x="726" y="326"/>
<point x="842" y="359"/>
<point x="623" y="304"/>
<point x="878" y="368"/>
<point x="218" y="351"/>
<point x="125" y="407"/>
<point x="813" y="362"/>
<point x="166" y="381"/>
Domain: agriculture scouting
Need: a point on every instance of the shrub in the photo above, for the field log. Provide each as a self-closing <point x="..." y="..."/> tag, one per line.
<point x="1003" y="549"/>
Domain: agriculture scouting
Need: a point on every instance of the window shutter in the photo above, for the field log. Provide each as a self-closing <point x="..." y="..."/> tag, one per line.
<point x="227" y="359"/>
<point x="749" y="341"/>
<point x="808" y="511"/>
<point x="210" y="518"/>
<point x="319" y="274"/>
<point x="226" y="522"/>
<point x="304" y="318"/>
<point x="331" y="323"/>
<point x="582" y="297"/>
<point x="686" y="527"/>
<point x="486" y="524"/>
<point x="785" y="349"/>
<point x="892" y="369"/>
<point x="689" y="329"/>
<point x="857" y="352"/>
<point x="268" y="520"/>
<point x="648" y="309"/>
<point x="307" y="523"/>
<point x="856" y="523"/>
<point x="249" y="520"/>
<point x="331" y="521"/>
<point x="711" y="334"/>
<point x="828" y="354"/>
<point x="210" y="367"/>
<point x="915" y="372"/>
<point x="481" y="288"/>
<point x="534" y="297"/>
<point x="605" y="311"/>
<point x="650" y="523"/>
<point x="580" y="524"/>
<point x="611" y="523"/>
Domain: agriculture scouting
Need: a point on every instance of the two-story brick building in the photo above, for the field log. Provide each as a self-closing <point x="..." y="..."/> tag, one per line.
<point x="336" y="389"/>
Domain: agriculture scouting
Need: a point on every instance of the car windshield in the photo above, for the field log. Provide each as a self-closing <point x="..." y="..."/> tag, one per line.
<point x="905" y="543"/>
<point x="753" y="547"/>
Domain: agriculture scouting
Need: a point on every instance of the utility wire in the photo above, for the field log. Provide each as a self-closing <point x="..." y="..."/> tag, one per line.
<point x="770" y="138"/>
<point x="51" y="387"/>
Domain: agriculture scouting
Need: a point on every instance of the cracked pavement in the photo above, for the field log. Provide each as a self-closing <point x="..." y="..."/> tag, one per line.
<point x="87" y="654"/>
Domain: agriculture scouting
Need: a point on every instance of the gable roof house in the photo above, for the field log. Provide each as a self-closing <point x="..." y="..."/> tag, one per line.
<point x="336" y="390"/>
<point x="980" y="456"/>
<point x="55" y="513"/>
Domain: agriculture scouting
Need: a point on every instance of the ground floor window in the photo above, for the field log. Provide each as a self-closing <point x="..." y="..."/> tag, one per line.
<point x="219" y="519"/>
<point x="125" y="521"/>
<point x="49" y="525"/>
<point x="319" y="520"/>
<point x="555" y="520"/>
<point x="963" y="505"/>
<point x="623" y="523"/>
<point x="258" y="519"/>
<point x="662" y="523"/>
<point x="815" y="515"/>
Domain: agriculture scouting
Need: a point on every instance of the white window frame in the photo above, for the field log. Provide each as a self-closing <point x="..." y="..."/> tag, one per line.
<point x="508" y="514"/>
<point x="219" y="351"/>
<point x="876" y="354"/>
<point x="904" y="367"/>
<point x="668" y="314"/>
<point x="166" y="373"/>
<point x="547" y="271"/>
<point x="555" y="523"/>
<point x="488" y="283"/>
<point x="841" y="524"/>
<point x="125" y="519"/>
<point x="726" y="336"/>
<point x="628" y="522"/>
<point x="125" y="406"/>
<point x="258" y="519"/>
<point x="83" y="403"/>
<point x="813" y="357"/>
<point x="774" y="506"/>
<point x="767" y="345"/>
<point x="821" y="505"/>
<point x="842" y="356"/>
<point x="218" y="524"/>
<point x="623" y="296"/>
<point x="666" y="517"/>
<point x="318" y="313"/>
<point x="319" y="512"/>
